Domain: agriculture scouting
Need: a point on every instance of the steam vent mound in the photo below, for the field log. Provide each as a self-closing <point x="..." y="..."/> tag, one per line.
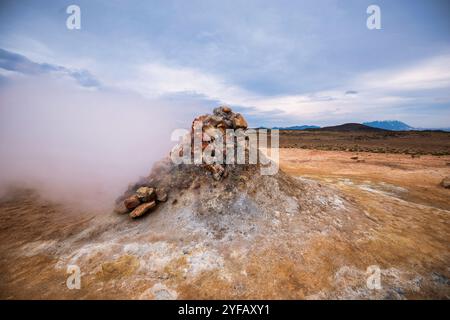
<point x="223" y="182"/>
<point x="223" y="230"/>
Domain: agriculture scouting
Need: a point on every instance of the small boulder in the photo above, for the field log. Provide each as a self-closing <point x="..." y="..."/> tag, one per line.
<point x="142" y="209"/>
<point x="445" y="182"/>
<point x="227" y="124"/>
<point x="215" y="120"/>
<point x="226" y="109"/>
<point x="200" y="120"/>
<point x="146" y="194"/>
<point x="239" y="122"/>
<point x="220" y="111"/>
<point x="131" y="202"/>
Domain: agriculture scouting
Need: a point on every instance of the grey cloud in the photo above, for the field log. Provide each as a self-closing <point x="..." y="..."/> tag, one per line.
<point x="16" y="62"/>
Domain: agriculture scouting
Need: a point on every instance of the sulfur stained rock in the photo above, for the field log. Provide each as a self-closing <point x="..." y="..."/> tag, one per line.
<point x="142" y="209"/>
<point x="131" y="202"/>
<point x="146" y="194"/>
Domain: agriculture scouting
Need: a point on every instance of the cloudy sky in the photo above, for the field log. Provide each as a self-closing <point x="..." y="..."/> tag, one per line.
<point x="278" y="62"/>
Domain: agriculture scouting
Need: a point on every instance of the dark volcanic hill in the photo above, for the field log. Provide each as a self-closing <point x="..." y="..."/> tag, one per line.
<point x="349" y="127"/>
<point x="303" y="127"/>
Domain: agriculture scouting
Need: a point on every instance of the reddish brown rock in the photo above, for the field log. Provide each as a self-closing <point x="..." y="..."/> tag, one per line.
<point x="239" y="122"/>
<point x="142" y="209"/>
<point x="226" y="109"/>
<point x="131" y="202"/>
<point x="199" y="120"/>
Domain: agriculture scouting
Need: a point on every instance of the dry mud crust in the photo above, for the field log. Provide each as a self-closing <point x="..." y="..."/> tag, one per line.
<point x="410" y="142"/>
<point x="403" y="197"/>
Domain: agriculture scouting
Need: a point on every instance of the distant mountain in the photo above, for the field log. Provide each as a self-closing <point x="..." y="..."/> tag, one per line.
<point x="348" y="127"/>
<point x="304" y="127"/>
<point x="393" y="125"/>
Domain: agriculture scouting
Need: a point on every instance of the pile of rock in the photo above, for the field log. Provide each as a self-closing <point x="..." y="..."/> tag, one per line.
<point x="142" y="201"/>
<point x="222" y="118"/>
<point x="144" y="196"/>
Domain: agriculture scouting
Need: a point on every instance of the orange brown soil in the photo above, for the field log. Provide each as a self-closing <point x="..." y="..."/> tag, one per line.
<point x="400" y="194"/>
<point x="389" y="211"/>
<point x="419" y="175"/>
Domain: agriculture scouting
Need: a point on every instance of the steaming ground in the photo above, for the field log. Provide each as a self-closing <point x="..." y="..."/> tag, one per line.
<point x="79" y="145"/>
<point x="310" y="234"/>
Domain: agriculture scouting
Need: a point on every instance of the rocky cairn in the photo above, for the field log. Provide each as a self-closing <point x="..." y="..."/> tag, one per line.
<point x="222" y="118"/>
<point x="145" y="196"/>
